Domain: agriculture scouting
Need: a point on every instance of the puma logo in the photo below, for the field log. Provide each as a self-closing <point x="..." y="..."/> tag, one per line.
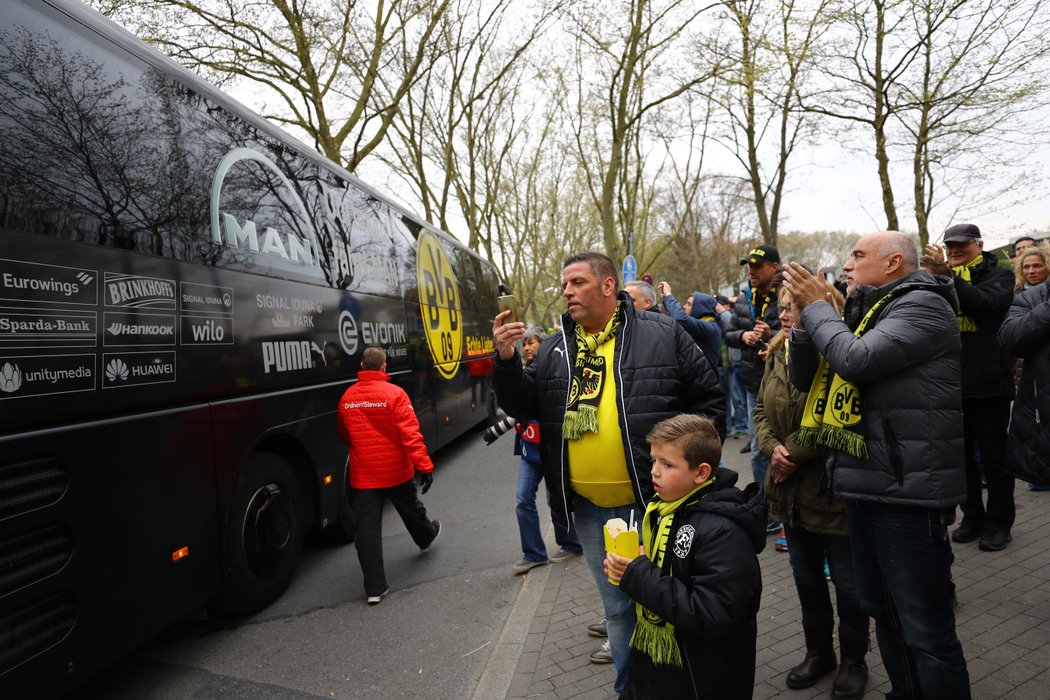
<point x="559" y="351"/>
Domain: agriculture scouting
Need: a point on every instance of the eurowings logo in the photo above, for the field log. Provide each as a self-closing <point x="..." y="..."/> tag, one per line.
<point x="248" y="193"/>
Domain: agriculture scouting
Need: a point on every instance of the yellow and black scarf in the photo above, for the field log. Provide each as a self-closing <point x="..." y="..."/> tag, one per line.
<point x="966" y="323"/>
<point x="588" y="379"/>
<point x="833" y="407"/>
<point x="758" y="308"/>
<point x="654" y="635"/>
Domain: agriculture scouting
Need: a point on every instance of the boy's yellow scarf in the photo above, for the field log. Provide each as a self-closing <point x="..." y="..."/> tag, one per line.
<point x="589" y="376"/>
<point x="653" y="635"/>
<point x="966" y="323"/>
<point x="833" y="408"/>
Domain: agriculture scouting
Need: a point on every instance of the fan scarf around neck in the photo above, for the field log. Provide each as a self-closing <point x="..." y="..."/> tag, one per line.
<point x="833" y="408"/>
<point x="588" y="380"/>
<point x="966" y="323"/>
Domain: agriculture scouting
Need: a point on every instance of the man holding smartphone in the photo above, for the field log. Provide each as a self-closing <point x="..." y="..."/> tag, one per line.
<point x="597" y="388"/>
<point x="754" y="321"/>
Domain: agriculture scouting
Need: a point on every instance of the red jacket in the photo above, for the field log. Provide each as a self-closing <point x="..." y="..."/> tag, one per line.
<point x="377" y="420"/>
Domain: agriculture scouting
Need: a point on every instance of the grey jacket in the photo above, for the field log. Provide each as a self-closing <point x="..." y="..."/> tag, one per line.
<point x="906" y="367"/>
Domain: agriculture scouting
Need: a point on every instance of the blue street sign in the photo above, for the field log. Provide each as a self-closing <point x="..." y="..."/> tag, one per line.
<point x="630" y="269"/>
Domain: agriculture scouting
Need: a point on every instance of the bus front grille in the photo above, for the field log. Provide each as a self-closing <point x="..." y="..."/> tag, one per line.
<point x="34" y="628"/>
<point x="31" y="556"/>
<point x="31" y="483"/>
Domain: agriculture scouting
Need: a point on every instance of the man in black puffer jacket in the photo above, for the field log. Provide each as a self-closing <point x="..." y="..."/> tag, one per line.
<point x="890" y="419"/>
<point x="597" y="388"/>
<point x="1026" y="333"/>
<point x="985" y="291"/>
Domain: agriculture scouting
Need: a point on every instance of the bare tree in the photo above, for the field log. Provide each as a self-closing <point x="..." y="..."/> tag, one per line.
<point x="767" y="62"/>
<point x="978" y="75"/>
<point x="628" y="61"/>
<point x="320" y="61"/>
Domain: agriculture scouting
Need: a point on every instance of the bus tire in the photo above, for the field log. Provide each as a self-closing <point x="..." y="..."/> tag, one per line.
<point x="343" y="530"/>
<point x="264" y="534"/>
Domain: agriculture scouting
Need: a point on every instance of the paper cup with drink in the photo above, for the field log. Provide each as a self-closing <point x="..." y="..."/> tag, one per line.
<point x="621" y="538"/>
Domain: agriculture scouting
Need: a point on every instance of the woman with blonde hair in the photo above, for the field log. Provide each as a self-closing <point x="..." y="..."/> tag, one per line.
<point x="1031" y="267"/>
<point x="814" y="523"/>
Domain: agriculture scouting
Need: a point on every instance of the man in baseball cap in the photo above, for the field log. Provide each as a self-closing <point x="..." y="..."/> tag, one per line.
<point x="762" y="254"/>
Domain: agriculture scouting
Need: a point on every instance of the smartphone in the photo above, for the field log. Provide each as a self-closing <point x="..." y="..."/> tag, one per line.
<point x="760" y="345"/>
<point x="505" y="302"/>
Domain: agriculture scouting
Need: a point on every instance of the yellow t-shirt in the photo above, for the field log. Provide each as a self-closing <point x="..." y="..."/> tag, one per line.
<point x="597" y="464"/>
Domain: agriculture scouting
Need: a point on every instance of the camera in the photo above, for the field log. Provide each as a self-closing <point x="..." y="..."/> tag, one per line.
<point x="501" y="426"/>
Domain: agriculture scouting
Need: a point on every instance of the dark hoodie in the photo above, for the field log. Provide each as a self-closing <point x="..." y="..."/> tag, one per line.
<point x="709" y="588"/>
<point x="701" y="323"/>
<point x="906" y="368"/>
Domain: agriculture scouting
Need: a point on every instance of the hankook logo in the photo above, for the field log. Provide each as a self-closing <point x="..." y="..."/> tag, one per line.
<point x="295" y="246"/>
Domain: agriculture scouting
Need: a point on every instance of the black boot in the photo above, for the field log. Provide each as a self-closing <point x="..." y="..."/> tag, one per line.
<point x="851" y="679"/>
<point x="820" y="654"/>
<point x="817" y="664"/>
<point x="852" y="676"/>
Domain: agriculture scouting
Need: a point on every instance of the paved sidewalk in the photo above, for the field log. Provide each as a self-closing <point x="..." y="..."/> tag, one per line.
<point x="1003" y="620"/>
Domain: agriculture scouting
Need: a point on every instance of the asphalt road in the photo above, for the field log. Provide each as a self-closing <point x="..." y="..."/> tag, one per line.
<point x="430" y="637"/>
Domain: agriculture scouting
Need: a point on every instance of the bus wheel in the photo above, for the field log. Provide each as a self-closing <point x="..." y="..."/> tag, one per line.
<point x="345" y="526"/>
<point x="264" y="534"/>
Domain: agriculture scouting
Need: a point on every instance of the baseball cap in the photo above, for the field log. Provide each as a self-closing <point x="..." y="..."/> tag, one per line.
<point x="961" y="233"/>
<point x="722" y="299"/>
<point x="761" y="254"/>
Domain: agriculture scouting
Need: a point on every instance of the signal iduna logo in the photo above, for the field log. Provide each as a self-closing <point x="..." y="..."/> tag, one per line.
<point x="439" y="304"/>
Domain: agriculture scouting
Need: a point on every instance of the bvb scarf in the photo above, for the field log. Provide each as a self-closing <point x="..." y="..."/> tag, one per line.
<point x="833" y="410"/>
<point x="966" y="323"/>
<point x="588" y="379"/>
<point x="653" y="635"/>
<point x="759" y="312"/>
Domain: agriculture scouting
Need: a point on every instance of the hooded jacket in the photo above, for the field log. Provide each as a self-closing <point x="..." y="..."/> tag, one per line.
<point x="1026" y="333"/>
<point x="701" y="323"/>
<point x="743" y="320"/>
<point x="709" y="588"/>
<point x="804" y="499"/>
<point x="377" y="420"/>
<point x="659" y="373"/>
<point x="986" y="368"/>
<point x="906" y="368"/>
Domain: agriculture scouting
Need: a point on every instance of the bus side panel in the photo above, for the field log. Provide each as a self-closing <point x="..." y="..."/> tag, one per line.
<point x="113" y="564"/>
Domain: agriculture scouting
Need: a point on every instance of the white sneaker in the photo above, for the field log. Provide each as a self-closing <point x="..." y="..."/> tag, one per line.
<point x="562" y="555"/>
<point x="377" y="599"/>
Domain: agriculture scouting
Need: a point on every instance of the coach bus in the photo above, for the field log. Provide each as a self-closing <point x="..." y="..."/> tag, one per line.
<point x="185" y="293"/>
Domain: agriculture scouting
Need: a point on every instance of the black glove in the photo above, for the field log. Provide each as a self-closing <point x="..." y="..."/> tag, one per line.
<point x="425" y="481"/>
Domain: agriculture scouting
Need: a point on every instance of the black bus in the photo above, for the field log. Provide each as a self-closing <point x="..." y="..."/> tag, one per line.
<point x="185" y="293"/>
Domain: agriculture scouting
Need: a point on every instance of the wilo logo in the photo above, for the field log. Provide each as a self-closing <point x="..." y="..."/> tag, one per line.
<point x="288" y="245"/>
<point x="208" y="332"/>
<point x="10" y="378"/>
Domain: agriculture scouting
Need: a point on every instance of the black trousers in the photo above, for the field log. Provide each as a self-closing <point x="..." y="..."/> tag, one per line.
<point x="986" y="421"/>
<point x="367" y="505"/>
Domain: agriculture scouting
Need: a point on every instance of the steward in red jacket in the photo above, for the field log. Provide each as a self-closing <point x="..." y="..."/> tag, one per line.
<point x="386" y="449"/>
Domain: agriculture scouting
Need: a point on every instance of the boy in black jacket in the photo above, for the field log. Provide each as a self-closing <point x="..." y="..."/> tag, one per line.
<point x="699" y="584"/>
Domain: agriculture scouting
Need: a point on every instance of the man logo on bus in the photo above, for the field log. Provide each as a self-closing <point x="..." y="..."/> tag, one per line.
<point x="289" y="245"/>
<point x="439" y="304"/>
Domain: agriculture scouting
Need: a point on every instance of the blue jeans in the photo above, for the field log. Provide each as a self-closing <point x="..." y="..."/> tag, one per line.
<point x="738" y="395"/>
<point x="532" y="547"/>
<point x="759" y="463"/>
<point x="902" y="565"/>
<point x="618" y="606"/>
<point x="807" y="552"/>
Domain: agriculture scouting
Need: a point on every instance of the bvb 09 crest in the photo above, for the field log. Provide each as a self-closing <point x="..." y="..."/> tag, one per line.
<point x="439" y="304"/>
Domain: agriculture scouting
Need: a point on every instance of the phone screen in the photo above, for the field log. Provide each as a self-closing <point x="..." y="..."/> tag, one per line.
<point x="505" y="302"/>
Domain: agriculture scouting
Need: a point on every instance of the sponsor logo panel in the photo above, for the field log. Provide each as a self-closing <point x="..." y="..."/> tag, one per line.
<point x="35" y="282"/>
<point x="353" y="333"/>
<point x="138" y="329"/>
<point x="207" y="330"/>
<point x="439" y="304"/>
<point x="291" y="356"/>
<point x="43" y="375"/>
<point x="27" y="328"/>
<point x="205" y="298"/>
<point x="138" y="292"/>
<point x="124" y="369"/>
